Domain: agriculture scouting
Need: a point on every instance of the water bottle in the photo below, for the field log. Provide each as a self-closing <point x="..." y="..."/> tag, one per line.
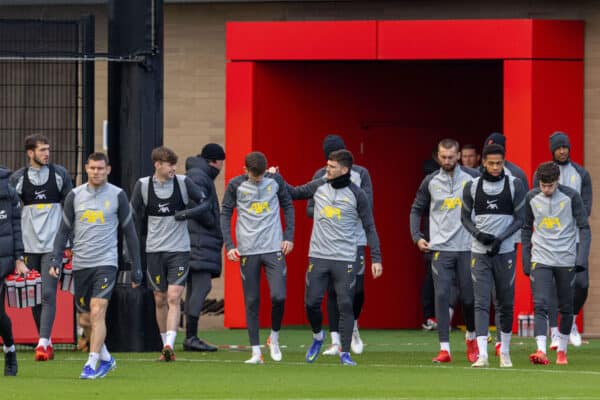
<point x="21" y="292"/>
<point x="30" y="289"/>
<point x="522" y="325"/>
<point x="38" y="288"/>
<point x="10" y="290"/>
<point x="531" y="325"/>
<point x="66" y="278"/>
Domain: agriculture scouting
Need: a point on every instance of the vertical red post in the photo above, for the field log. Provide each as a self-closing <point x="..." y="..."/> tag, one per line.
<point x="540" y="97"/>
<point x="239" y="139"/>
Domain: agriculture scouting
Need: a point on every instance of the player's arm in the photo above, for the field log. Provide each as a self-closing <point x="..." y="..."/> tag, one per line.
<point x="365" y="213"/>
<point x="16" y="180"/>
<point x="197" y="196"/>
<point x="519" y="210"/>
<point x="126" y="221"/>
<point x="63" y="234"/>
<point x="420" y="204"/>
<point x="310" y="205"/>
<point x="67" y="182"/>
<point x="366" y="185"/>
<point x="228" y="204"/>
<point x="287" y="205"/>
<point x="18" y="248"/>
<point x="586" y="192"/>
<point x="306" y="191"/>
<point x="526" y="232"/>
<point x="585" y="237"/>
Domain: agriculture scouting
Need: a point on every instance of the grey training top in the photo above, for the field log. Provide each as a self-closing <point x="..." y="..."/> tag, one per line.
<point x="551" y="226"/>
<point x="576" y="177"/>
<point x="502" y="226"/>
<point x="40" y="222"/>
<point x="93" y="216"/>
<point x="336" y="214"/>
<point x="258" y="227"/>
<point x="442" y="193"/>
<point x="361" y="178"/>
<point x="165" y="234"/>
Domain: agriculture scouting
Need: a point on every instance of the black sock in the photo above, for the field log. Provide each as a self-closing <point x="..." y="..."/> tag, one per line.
<point x="191" y="327"/>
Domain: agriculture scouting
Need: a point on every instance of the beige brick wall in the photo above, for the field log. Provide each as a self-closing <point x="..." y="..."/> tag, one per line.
<point x="195" y="68"/>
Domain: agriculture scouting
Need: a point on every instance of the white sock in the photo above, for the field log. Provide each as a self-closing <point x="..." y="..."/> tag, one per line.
<point x="256" y="351"/>
<point x="335" y="338"/>
<point x="554" y="331"/>
<point x="451" y="314"/>
<point x="505" y="342"/>
<point x="445" y="346"/>
<point x="470" y="335"/>
<point x="319" y="335"/>
<point x="93" y="360"/>
<point x="541" y="343"/>
<point x="356" y="324"/>
<point x="43" y="342"/>
<point x="104" y="354"/>
<point x="274" y="337"/>
<point x="163" y="336"/>
<point x="171" y="335"/>
<point x="575" y="323"/>
<point x="482" y="346"/>
<point x="562" y="342"/>
<point x="9" y="349"/>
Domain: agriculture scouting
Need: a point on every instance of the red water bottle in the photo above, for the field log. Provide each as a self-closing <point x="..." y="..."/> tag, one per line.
<point x="66" y="277"/>
<point x="10" y="290"/>
<point x="21" y="292"/>
<point x="38" y="287"/>
<point x="30" y="288"/>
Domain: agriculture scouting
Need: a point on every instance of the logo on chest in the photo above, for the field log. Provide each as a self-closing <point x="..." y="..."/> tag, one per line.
<point x="491" y="204"/>
<point x="331" y="212"/>
<point x="550" y="223"/>
<point x="163" y="208"/>
<point x="93" y="217"/>
<point x="40" y="194"/>
<point x="3" y="214"/>
<point x="258" y="207"/>
<point x="451" y="203"/>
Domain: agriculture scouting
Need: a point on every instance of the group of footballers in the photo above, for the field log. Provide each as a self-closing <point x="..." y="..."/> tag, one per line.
<point x="476" y="219"/>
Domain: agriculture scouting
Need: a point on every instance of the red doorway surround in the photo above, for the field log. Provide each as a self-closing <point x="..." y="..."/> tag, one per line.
<point x="524" y="77"/>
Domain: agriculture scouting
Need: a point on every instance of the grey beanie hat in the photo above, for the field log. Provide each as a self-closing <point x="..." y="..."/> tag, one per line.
<point x="559" y="139"/>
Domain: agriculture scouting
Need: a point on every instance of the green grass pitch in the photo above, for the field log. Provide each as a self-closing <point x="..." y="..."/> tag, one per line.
<point x="395" y="365"/>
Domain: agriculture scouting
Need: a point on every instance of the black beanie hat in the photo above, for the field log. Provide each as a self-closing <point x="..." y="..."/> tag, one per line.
<point x="332" y="143"/>
<point x="496" y="138"/>
<point x="213" y="151"/>
<point x="559" y="139"/>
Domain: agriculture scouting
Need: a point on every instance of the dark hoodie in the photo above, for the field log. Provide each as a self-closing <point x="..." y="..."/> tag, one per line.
<point x="205" y="231"/>
<point x="11" y="241"/>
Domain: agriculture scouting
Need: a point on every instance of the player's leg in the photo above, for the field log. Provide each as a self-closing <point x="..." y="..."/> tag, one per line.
<point x="504" y="279"/>
<point x="157" y="280"/>
<point x="482" y="278"/>
<point x="542" y="289"/>
<point x="276" y="271"/>
<point x="250" y="272"/>
<point x="564" y="279"/>
<point x="359" y="298"/>
<point x="199" y="284"/>
<point x="317" y="281"/>
<point x="44" y="350"/>
<point x="177" y="267"/>
<point x="442" y="268"/>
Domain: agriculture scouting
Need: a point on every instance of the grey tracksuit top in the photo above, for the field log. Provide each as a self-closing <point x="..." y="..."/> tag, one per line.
<point x="361" y="178"/>
<point x="258" y="227"/>
<point x="442" y="194"/>
<point x="501" y="224"/>
<point x="40" y="222"/>
<point x="551" y="226"/>
<point x="576" y="177"/>
<point x="93" y="216"/>
<point x="165" y="233"/>
<point x="336" y="214"/>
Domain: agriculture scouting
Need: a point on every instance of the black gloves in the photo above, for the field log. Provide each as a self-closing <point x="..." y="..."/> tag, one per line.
<point x="181" y="215"/>
<point x="137" y="276"/>
<point x="485" y="238"/>
<point x="495" y="247"/>
<point x="580" y="268"/>
<point x="527" y="268"/>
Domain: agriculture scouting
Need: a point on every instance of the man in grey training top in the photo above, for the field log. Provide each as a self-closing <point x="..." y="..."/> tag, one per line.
<point x="442" y="193"/>
<point x="92" y="213"/>
<point x="42" y="186"/>
<point x="554" y="217"/>
<point x="260" y="242"/>
<point x="339" y="207"/>
<point x="159" y="205"/>
<point x="492" y="212"/>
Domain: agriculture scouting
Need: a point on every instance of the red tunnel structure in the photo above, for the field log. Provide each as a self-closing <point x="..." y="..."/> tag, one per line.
<point x="393" y="89"/>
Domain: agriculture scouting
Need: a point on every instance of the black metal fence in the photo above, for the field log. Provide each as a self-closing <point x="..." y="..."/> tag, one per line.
<point x="45" y="87"/>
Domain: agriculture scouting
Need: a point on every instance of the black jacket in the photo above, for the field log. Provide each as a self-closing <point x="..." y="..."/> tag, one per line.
<point x="11" y="241"/>
<point x="205" y="231"/>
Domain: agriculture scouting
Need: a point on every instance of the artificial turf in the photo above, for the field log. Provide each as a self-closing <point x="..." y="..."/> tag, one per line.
<point x="395" y="364"/>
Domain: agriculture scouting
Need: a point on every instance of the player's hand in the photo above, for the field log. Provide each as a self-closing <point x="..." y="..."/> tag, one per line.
<point x="485" y="238"/>
<point x="21" y="268"/>
<point x="54" y="271"/>
<point x="233" y="255"/>
<point x="273" y="170"/>
<point x="580" y="268"/>
<point x="286" y="247"/>
<point x="181" y="215"/>
<point x="376" y="270"/>
<point x="495" y="248"/>
<point x="135" y="285"/>
<point x="423" y="245"/>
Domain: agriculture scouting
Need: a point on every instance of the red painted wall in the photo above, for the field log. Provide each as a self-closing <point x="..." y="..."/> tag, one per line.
<point x="395" y="112"/>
